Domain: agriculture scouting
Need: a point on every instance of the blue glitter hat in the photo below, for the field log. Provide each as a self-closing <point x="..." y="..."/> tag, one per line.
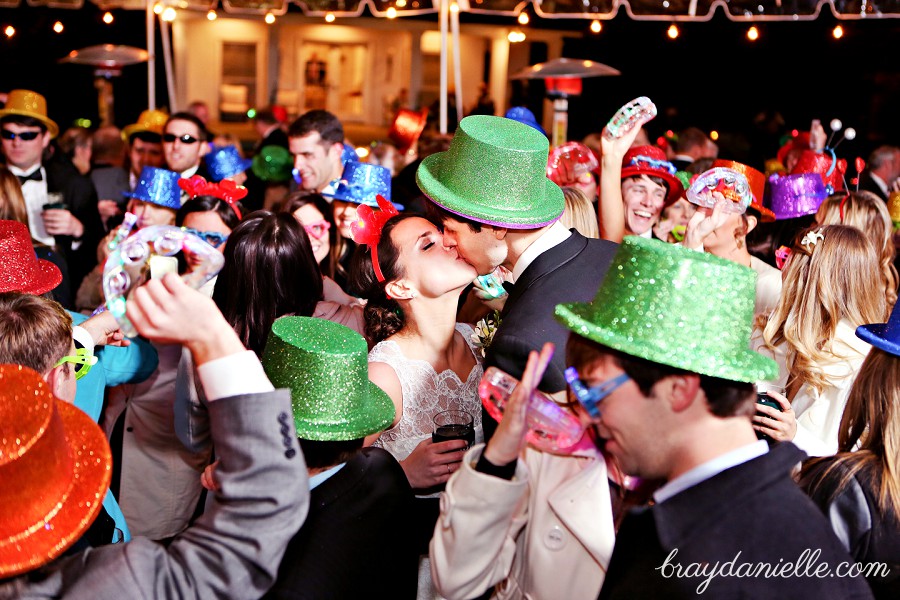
<point x="325" y="366"/>
<point x="349" y="155"/>
<point x="157" y="186"/>
<point x="225" y="162"/>
<point x="362" y="182"/>
<point x="885" y="336"/>
<point x="524" y="116"/>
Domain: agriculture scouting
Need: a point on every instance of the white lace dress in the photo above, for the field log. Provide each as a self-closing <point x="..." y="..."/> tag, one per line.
<point x="425" y="394"/>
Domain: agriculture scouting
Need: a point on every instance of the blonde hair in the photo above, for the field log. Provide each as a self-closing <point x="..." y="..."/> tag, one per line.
<point x="869" y="436"/>
<point x="579" y="213"/>
<point x="868" y="213"/>
<point x="12" y="202"/>
<point x="834" y="276"/>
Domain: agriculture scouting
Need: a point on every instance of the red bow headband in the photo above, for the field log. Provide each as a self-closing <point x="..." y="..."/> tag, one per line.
<point x="227" y="191"/>
<point x="367" y="230"/>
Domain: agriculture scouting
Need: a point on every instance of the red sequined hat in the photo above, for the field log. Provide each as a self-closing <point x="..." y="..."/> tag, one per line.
<point x="406" y="128"/>
<point x="20" y="269"/>
<point x="798" y="142"/>
<point x="831" y="168"/>
<point x="651" y="161"/>
<point x="55" y="465"/>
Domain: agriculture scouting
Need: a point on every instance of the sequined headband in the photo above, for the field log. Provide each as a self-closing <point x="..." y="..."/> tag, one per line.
<point x="367" y="229"/>
<point x="664" y="165"/>
<point x="227" y="191"/>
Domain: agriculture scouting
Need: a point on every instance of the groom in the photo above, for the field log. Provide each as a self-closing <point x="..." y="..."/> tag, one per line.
<point x="491" y="192"/>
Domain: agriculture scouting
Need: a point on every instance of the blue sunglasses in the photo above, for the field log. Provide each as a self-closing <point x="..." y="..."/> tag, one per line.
<point x="590" y="397"/>
<point x="213" y="238"/>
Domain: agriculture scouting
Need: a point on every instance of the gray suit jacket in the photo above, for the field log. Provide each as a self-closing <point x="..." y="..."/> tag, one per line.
<point x="233" y="550"/>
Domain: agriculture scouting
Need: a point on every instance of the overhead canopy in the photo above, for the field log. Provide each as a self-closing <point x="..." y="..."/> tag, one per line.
<point x="641" y="10"/>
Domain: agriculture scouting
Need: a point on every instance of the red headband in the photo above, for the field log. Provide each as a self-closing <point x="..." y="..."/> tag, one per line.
<point x="367" y="230"/>
<point x="227" y="191"/>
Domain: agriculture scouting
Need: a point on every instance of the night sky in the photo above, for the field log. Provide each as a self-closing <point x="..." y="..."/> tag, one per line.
<point x="711" y="76"/>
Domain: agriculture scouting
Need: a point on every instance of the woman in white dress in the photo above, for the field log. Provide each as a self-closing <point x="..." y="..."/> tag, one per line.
<point x="423" y="359"/>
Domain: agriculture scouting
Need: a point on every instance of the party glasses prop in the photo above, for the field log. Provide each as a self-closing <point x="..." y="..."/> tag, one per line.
<point x="131" y="260"/>
<point x="570" y="162"/>
<point x="184" y="139"/>
<point x="213" y="238"/>
<point x="634" y="114"/>
<point x="550" y="426"/>
<point x="317" y="229"/>
<point x="731" y="184"/>
<point x="82" y="361"/>
<point x="25" y="136"/>
<point x="591" y="397"/>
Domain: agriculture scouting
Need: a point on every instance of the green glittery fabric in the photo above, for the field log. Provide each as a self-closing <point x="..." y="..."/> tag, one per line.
<point x="325" y="366"/>
<point x="676" y="307"/>
<point x="495" y="172"/>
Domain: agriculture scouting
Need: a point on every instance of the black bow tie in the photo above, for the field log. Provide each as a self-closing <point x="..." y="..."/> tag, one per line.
<point x="35" y="176"/>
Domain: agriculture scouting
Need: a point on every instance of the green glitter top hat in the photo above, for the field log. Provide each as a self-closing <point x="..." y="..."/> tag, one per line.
<point x="325" y="366"/>
<point x="495" y="172"/>
<point x="673" y="306"/>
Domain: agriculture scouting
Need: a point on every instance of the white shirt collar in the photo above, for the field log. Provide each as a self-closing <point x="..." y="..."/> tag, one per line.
<point x="648" y="235"/>
<point x="320" y="478"/>
<point x="22" y="172"/>
<point x="551" y="237"/>
<point x="190" y="172"/>
<point x="710" y="469"/>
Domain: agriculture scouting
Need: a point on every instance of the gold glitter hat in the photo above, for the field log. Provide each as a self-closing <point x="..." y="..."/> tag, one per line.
<point x="676" y="307"/>
<point x="149" y="121"/>
<point x="55" y="468"/>
<point x="325" y="365"/>
<point x="495" y="172"/>
<point x="26" y="103"/>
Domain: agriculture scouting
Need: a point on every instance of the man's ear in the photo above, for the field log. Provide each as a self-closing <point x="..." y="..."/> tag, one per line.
<point x="400" y="289"/>
<point x="752" y="222"/>
<point x="55" y="378"/>
<point x="680" y="391"/>
<point x="499" y="232"/>
<point x="45" y="140"/>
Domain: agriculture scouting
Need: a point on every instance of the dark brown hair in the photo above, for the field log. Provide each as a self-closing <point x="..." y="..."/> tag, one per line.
<point x="329" y="265"/>
<point x="438" y="215"/>
<point x="329" y="127"/>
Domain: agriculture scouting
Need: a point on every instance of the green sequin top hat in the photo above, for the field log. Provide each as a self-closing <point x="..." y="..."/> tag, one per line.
<point x="325" y="365"/>
<point x="677" y="307"/>
<point x="495" y="172"/>
<point x="273" y="163"/>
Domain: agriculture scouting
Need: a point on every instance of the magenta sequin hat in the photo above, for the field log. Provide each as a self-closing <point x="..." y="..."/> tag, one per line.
<point x="795" y="196"/>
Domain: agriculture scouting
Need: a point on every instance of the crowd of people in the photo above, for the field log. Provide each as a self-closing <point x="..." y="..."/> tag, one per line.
<point x="274" y="429"/>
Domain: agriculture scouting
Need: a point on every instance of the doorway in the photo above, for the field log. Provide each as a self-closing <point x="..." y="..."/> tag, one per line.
<point x="333" y="78"/>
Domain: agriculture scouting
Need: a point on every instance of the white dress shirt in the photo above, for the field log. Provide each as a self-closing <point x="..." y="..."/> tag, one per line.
<point x="710" y="469"/>
<point x="35" y="193"/>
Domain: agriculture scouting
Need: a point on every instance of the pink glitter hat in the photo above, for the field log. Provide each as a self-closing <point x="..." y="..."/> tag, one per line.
<point x="796" y="195"/>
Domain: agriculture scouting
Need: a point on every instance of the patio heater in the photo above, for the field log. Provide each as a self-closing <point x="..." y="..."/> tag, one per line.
<point x="108" y="61"/>
<point x="562" y="77"/>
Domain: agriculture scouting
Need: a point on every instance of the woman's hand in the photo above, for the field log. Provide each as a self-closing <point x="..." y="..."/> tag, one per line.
<point x="509" y="439"/>
<point x="781" y="426"/>
<point x="705" y="221"/>
<point x="207" y="478"/>
<point x="431" y="464"/>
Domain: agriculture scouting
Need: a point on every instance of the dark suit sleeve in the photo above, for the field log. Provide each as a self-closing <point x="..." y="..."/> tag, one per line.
<point x="234" y="549"/>
<point x="510" y="353"/>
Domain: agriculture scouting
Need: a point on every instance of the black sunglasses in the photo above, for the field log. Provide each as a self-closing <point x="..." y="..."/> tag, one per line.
<point x="184" y="139"/>
<point x="25" y="136"/>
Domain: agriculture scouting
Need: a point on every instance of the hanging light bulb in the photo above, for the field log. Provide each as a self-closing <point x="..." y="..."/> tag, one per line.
<point x="516" y="36"/>
<point x="58" y="27"/>
<point x="454" y="7"/>
<point x="270" y="18"/>
<point x="168" y="14"/>
<point x="837" y="32"/>
<point x="108" y="18"/>
<point x="523" y="18"/>
<point x="402" y="4"/>
<point x="596" y="26"/>
<point x="211" y="15"/>
<point x="753" y="33"/>
<point x="391" y="12"/>
<point x="714" y="135"/>
<point x="672" y="32"/>
<point x="158" y="8"/>
<point x="329" y="18"/>
<point x="9" y="31"/>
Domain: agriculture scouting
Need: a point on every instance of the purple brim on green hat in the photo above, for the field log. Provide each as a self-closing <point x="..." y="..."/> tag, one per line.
<point x="677" y="307"/>
<point x="495" y="172"/>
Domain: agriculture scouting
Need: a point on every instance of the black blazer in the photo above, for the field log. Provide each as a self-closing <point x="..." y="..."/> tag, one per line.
<point x="866" y="183"/>
<point x="569" y="272"/>
<point x="356" y="538"/>
<point x="754" y="512"/>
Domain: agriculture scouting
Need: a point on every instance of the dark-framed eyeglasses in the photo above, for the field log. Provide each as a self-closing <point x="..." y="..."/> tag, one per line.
<point x="25" y="136"/>
<point x="590" y="397"/>
<point x="184" y="139"/>
<point x="213" y="238"/>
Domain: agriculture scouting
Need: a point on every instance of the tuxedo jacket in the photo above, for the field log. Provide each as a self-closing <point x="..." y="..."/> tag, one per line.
<point x="233" y="550"/>
<point x="749" y="514"/>
<point x="81" y="200"/>
<point x="355" y="542"/>
<point x="569" y="272"/>
<point x="866" y="183"/>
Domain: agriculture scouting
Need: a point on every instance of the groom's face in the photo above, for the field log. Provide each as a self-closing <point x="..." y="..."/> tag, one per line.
<point x="485" y="250"/>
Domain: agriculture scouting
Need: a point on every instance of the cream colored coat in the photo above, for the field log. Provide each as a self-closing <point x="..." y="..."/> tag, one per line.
<point x="547" y="534"/>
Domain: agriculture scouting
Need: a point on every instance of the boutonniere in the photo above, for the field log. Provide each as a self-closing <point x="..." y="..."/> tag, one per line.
<point x="485" y="330"/>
